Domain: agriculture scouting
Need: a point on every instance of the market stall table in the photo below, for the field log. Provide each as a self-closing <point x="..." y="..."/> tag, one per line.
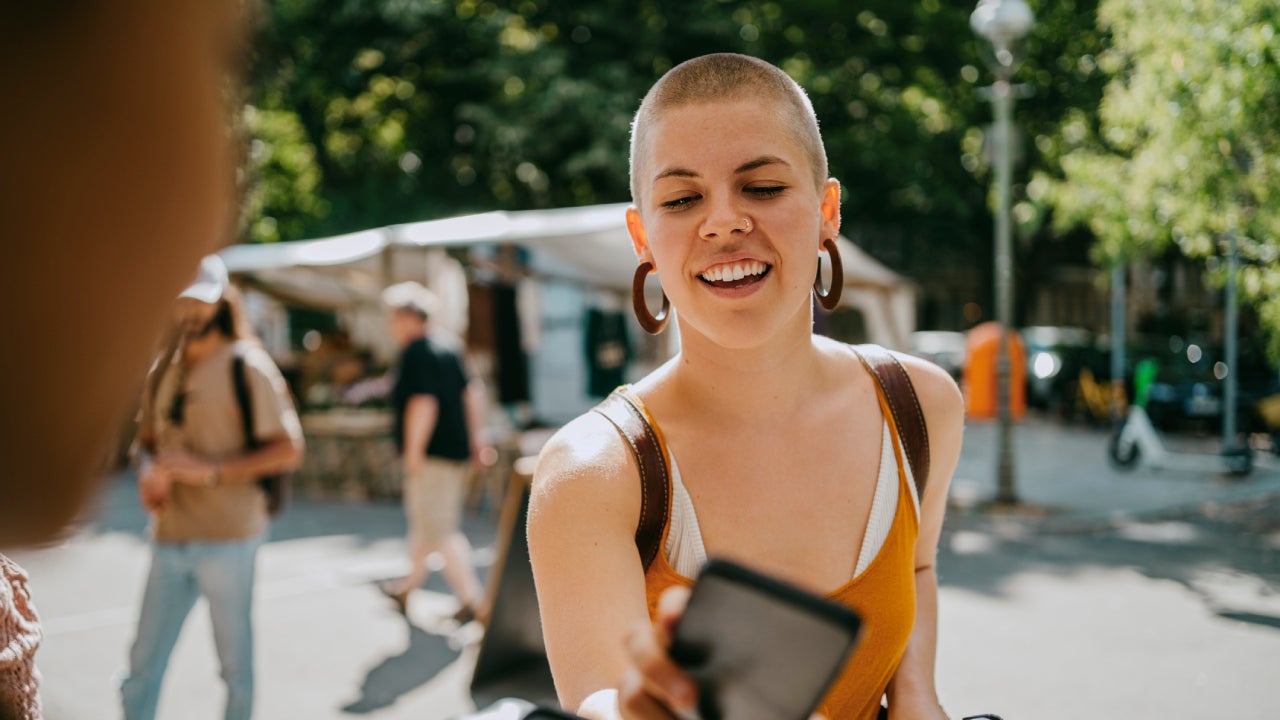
<point x="350" y="454"/>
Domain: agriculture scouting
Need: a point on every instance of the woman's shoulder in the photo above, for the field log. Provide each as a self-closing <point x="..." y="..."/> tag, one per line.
<point x="936" y="389"/>
<point x="585" y="482"/>
<point x="256" y="358"/>
<point x="939" y="396"/>
<point x="587" y="455"/>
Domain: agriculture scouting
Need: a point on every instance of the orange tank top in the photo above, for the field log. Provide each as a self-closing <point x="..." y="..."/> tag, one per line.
<point x="883" y="595"/>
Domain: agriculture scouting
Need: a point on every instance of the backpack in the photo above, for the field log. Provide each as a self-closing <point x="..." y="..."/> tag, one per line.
<point x="276" y="487"/>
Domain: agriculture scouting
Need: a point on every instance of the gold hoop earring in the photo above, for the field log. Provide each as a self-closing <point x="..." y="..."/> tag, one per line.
<point x="652" y="324"/>
<point x="830" y="298"/>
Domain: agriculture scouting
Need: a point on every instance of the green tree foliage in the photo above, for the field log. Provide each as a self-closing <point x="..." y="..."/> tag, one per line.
<point x="283" y="197"/>
<point x="1186" y="147"/>
<point x="370" y="112"/>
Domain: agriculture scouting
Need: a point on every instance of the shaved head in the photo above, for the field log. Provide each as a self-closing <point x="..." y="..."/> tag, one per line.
<point x="726" y="77"/>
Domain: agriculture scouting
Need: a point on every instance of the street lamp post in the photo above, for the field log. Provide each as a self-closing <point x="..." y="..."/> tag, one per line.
<point x="1230" y="341"/>
<point x="1004" y="23"/>
<point x="1231" y="321"/>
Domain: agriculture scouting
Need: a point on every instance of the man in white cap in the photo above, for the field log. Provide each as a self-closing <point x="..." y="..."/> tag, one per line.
<point x="199" y="476"/>
<point x="439" y="420"/>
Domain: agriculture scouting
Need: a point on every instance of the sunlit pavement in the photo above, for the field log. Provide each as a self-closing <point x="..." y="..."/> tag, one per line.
<point x="1108" y="594"/>
<point x="1064" y="471"/>
<point x="329" y="644"/>
<point x="1137" y="595"/>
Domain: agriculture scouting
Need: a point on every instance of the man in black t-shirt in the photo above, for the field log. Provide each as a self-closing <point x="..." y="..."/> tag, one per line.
<point x="439" y="414"/>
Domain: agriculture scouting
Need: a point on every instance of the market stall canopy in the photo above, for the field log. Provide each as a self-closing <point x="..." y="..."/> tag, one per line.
<point x="585" y="245"/>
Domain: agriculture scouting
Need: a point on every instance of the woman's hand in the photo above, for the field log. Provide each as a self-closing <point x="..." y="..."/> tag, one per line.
<point x="654" y="686"/>
<point x="154" y="485"/>
<point x="483" y="456"/>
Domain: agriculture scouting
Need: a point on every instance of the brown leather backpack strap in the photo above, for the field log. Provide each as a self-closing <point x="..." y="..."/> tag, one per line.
<point x="905" y="406"/>
<point x="655" y="482"/>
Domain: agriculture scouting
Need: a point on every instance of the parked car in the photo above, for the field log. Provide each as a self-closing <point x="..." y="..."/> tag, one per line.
<point x="942" y="347"/>
<point x="1187" y="392"/>
<point x="1184" y="398"/>
<point x="1055" y="357"/>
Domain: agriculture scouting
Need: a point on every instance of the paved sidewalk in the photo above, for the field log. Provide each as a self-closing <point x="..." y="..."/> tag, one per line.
<point x="1064" y="477"/>
<point x="330" y="646"/>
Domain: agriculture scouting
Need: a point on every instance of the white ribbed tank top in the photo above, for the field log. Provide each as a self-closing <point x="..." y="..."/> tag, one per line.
<point x="686" y="553"/>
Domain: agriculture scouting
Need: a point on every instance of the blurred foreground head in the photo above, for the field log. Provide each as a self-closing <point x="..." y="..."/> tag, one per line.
<point x="117" y="177"/>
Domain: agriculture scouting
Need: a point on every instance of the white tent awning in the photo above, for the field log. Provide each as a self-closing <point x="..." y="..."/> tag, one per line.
<point x="589" y="245"/>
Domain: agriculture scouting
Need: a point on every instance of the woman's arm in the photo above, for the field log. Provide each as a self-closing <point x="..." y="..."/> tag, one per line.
<point x="276" y="426"/>
<point x="591" y="593"/>
<point x="474" y="401"/>
<point x="278" y="455"/>
<point x="421" y="413"/>
<point x="912" y="692"/>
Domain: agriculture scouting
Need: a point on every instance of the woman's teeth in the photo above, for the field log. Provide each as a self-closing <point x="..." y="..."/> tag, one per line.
<point x="734" y="271"/>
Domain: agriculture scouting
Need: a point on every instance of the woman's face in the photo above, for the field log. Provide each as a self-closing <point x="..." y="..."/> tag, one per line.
<point x="404" y="325"/>
<point x="192" y="316"/>
<point x="731" y="219"/>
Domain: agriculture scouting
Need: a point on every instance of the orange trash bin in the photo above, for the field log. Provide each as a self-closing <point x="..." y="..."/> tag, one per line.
<point x="979" y="377"/>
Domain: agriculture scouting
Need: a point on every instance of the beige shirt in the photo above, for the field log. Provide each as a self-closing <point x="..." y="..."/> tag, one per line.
<point x="211" y="428"/>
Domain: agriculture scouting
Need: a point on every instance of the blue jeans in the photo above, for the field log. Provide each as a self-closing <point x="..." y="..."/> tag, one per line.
<point x="180" y="573"/>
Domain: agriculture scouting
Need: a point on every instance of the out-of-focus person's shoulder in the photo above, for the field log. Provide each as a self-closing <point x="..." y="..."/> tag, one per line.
<point x="253" y="352"/>
<point x="585" y="460"/>
<point x="443" y="342"/>
<point x="256" y="357"/>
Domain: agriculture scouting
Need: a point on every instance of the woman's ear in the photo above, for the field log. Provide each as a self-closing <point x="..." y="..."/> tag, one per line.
<point x="639" y="241"/>
<point x="830" y="210"/>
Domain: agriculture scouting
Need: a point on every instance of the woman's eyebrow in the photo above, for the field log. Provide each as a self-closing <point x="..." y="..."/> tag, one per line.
<point x="760" y="162"/>
<point x="675" y="172"/>
<point x="748" y="166"/>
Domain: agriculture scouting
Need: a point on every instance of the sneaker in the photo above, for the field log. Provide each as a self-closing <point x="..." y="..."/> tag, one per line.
<point x="468" y="613"/>
<point x="398" y="594"/>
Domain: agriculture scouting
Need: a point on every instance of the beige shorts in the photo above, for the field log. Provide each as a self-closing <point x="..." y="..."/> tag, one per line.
<point x="433" y="500"/>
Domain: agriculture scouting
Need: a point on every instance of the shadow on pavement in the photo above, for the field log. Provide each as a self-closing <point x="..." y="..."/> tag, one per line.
<point x="117" y="511"/>
<point x="1252" y="618"/>
<point x="1229" y="558"/>
<point x="369" y="521"/>
<point x="398" y="675"/>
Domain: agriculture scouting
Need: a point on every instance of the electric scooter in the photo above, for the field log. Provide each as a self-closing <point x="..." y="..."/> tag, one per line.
<point x="1137" y="440"/>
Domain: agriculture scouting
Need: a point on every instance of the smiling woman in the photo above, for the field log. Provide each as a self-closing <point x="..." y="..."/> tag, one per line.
<point x="711" y="207"/>
<point x="788" y="458"/>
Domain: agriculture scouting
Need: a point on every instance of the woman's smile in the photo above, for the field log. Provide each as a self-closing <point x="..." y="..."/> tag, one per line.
<point x="735" y="277"/>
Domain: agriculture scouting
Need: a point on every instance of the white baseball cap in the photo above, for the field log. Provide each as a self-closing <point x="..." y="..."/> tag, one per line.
<point x="411" y="296"/>
<point x="211" y="280"/>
